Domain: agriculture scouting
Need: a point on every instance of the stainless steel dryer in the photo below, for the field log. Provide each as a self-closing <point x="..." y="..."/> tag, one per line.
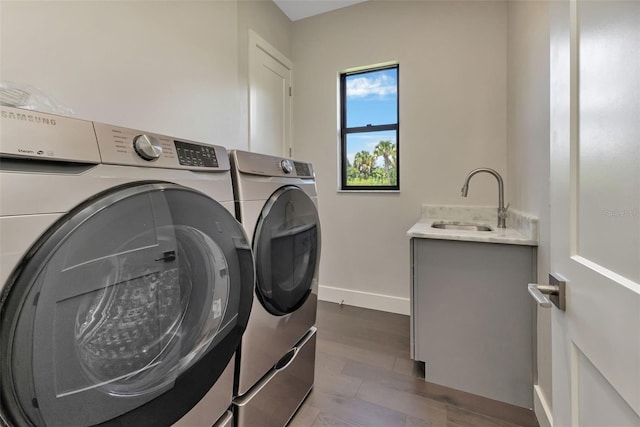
<point x="126" y="282"/>
<point x="277" y="205"/>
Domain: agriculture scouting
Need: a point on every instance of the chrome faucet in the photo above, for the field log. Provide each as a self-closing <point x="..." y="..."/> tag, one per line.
<point x="502" y="210"/>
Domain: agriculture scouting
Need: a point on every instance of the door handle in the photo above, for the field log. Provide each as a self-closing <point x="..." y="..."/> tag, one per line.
<point x="553" y="293"/>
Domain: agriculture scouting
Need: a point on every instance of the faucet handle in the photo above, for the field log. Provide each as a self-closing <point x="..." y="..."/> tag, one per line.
<point x="502" y="213"/>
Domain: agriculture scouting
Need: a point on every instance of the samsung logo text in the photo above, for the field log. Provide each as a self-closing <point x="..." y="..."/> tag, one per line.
<point x="28" y="118"/>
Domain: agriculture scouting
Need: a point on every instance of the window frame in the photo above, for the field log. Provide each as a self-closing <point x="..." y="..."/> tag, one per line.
<point x="345" y="131"/>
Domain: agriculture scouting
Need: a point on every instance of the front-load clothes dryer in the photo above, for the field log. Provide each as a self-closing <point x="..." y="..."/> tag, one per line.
<point x="277" y="204"/>
<point x="126" y="282"/>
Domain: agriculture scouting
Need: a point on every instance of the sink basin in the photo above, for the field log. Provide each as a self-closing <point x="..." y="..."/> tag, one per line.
<point x="461" y="226"/>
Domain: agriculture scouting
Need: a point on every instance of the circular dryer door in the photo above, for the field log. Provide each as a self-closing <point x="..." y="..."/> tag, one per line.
<point x="286" y="245"/>
<point x="126" y="311"/>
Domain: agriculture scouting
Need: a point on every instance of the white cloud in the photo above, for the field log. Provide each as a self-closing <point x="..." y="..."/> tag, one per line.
<point x="361" y="87"/>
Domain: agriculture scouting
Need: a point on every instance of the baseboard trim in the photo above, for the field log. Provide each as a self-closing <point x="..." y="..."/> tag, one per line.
<point x="541" y="408"/>
<point x="370" y="300"/>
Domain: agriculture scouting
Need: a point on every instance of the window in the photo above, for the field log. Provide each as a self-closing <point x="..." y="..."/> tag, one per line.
<point x="369" y="129"/>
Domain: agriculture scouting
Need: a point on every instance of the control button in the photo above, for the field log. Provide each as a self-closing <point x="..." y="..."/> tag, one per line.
<point x="147" y="147"/>
<point x="286" y="166"/>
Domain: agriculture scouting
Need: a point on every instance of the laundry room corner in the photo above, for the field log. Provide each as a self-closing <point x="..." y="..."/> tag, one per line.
<point x="452" y="61"/>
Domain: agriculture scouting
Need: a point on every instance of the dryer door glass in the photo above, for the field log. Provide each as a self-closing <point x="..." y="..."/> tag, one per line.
<point x="119" y="304"/>
<point x="286" y="246"/>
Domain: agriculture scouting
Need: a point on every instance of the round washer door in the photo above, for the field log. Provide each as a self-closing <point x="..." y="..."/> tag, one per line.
<point x="286" y="246"/>
<point x="126" y="311"/>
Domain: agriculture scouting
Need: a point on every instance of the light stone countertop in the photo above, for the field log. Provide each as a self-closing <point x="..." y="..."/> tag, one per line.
<point x="522" y="229"/>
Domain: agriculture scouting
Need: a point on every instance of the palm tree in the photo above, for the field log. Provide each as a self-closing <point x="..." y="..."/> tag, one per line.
<point x="364" y="162"/>
<point x="386" y="150"/>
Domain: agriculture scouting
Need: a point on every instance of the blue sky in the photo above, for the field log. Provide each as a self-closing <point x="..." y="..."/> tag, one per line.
<point x="371" y="99"/>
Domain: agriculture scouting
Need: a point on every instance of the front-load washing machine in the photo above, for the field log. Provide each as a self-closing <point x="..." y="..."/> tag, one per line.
<point x="126" y="282"/>
<point x="277" y="204"/>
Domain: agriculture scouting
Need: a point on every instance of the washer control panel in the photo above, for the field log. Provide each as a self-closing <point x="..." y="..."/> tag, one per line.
<point x="123" y="146"/>
<point x="196" y="155"/>
<point x="147" y="147"/>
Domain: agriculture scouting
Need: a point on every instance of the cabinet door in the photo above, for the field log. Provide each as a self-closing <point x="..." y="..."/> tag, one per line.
<point x="472" y="317"/>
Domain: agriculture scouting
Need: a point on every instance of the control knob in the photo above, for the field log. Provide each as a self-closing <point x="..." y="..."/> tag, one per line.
<point x="286" y="166"/>
<point x="147" y="147"/>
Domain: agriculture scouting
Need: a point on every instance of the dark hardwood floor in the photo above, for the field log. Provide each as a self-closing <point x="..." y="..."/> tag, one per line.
<point x="365" y="377"/>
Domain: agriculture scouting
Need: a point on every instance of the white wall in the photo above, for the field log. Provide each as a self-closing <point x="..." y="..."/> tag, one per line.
<point x="168" y="67"/>
<point x="528" y="152"/>
<point x="452" y="58"/>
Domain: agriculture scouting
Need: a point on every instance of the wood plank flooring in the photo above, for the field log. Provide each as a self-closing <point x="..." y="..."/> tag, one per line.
<point x="365" y="377"/>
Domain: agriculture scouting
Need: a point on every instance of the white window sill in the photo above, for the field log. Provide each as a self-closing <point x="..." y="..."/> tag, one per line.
<point x="368" y="191"/>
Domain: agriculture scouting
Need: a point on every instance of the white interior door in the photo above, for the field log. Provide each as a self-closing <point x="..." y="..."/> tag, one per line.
<point x="270" y="99"/>
<point x="595" y="211"/>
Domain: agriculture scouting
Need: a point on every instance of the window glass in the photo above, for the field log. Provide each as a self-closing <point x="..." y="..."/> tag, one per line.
<point x="372" y="98"/>
<point x="370" y="130"/>
<point x="372" y="158"/>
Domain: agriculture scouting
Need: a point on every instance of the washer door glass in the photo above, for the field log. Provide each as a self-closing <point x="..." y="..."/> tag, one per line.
<point x="286" y="247"/>
<point x="118" y="305"/>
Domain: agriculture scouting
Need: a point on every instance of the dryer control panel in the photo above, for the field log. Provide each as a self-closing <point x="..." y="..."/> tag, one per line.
<point x="261" y="164"/>
<point x="123" y="146"/>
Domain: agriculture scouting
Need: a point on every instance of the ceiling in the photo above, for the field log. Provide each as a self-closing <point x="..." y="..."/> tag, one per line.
<point x="300" y="9"/>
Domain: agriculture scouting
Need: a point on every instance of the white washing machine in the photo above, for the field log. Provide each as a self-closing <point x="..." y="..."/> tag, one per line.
<point x="277" y="205"/>
<point x="126" y="282"/>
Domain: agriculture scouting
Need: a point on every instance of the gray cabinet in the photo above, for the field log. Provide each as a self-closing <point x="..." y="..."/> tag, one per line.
<point x="471" y="316"/>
